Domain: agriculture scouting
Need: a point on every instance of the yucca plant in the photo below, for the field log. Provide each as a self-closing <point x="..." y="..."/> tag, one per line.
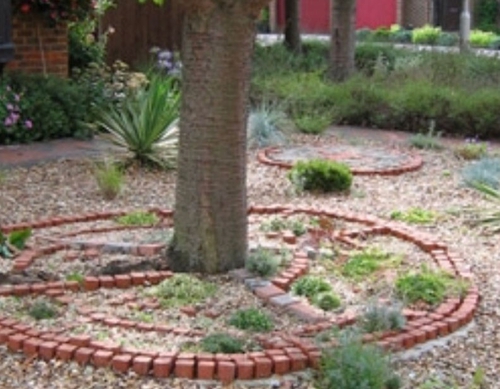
<point x="145" y="124"/>
<point x="266" y="126"/>
<point x="489" y="218"/>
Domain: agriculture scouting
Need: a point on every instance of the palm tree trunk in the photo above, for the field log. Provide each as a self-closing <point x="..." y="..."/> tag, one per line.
<point x="292" y="25"/>
<point x="211" y="206"/>
<point x="343" y="39"/>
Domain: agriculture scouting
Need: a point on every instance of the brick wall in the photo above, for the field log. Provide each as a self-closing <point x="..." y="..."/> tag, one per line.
<point x="38" y="47"/>
<point x="416" y="13"/>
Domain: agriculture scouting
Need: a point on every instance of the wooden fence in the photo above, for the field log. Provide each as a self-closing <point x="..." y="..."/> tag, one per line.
<point x="139" y="27"/>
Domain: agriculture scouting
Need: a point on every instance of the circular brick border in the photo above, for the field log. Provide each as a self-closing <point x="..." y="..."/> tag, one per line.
<point x="415" y="162"/>
<point x="283" y="352"/>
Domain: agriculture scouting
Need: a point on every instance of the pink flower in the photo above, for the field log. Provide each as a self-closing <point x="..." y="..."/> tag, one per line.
<point x="28" y="124"/>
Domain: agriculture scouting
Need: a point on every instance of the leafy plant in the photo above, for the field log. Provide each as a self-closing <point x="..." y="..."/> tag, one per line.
<point x="321" y="175"/>
<point x="364" y="263"/>
<point x="427" y="34"/>
<point x="327" y="301"/>
<point x="471" y="150"/>
<point x="489" y="218"/>
<point x="78" y="277"/>
<point x="310" y="286"/>
<point x="414" y="215"/>
<point x="275" y="224"/>
<point x="480" y="38"/>
<point x="251" y="319"/>
<point x="312" y="123"/>
<point x="14" y="242"/>
<point x="262" y="262"/>
<point x="428" y="286"/>
<point x="354" y="365"/>
<point x="182" y="289"/>
<point x="138" y="218"/>
<point x="146" y="123"/>
<point x="222" y="343"/>
<point x="485" y="172"/>
<point x="266" y="126"/>
<point x="428" y="141"/>
<point x="109" y="178"/>
<point x="41" y="310"/>
<point x="378" y="317"/>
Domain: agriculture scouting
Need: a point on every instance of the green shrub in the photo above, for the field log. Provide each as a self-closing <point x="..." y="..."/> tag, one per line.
<point x="486" y="12"/>
<point x="11" y="244"/>
<point x="427" y="35"/>
<point x="480" y="38"/>
<point x="401" y="36"/>
<point x="310" y="286"/>
<point x="382" y="34"/>
<point x="182" y="289"/>
<point x="109" y="178"/>
<point x="262" y="262"/>
<point x="251" y="319"/>
<point x="267" y="126"/>
<point x="145" y="124"/>
<point x="354" y="365"/>
<point x="428" y="286"/>
<point x="471" y="151"/>
<point x="313" y="123"/>
<point x="222" y="343"/>
<point x="488" y="218"/>
<point x="367" y="55"/>
<point x="78" y="277"/>
<point x="42" y="310"/>
<point x="138" y="218"/>
<point x="448" y="39"/>
<point x="485" y="172"/>
<point x="321" y="175"/>
<point x="380" y="318"/>
<point x="364" y="35"/>
<point x="428" y="141"/>
<point x="49" y="108"/>
<point x="364" y="263"/>
<point x="327" y="301"/>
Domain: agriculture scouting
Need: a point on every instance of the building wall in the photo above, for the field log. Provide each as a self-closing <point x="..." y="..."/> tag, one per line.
<point x="416" y="13"/>
<point x="38" y="47"/>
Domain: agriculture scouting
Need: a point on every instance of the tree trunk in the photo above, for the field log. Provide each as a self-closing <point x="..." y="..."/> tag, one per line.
<point x="211" y="207"/>
<point x="343" y="39"/>
<point x="292" y="25"/>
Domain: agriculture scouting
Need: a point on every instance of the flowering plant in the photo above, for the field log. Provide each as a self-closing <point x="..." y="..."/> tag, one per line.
<point x="14" y="126"/>
<point x="55" y="11"/>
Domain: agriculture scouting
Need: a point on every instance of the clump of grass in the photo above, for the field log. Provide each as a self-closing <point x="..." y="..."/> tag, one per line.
<point x="414" y="215"/>
<point x="138" y="218"/>
<point x="222" y="343"/>
<point x="182" y="289"/>
<point x="109" y="178"/>
<point x="262" y="262"/>
<point x="327" y="301"/>
<point x="365" y="262"/>
<point x="471" y="151"/>
<point x="78" y="277"/>
<point x="310" y="286"/>
<point x="483" y="172"/>
<point x="378" y="317"/>
<point x="251" y="319"/>
<point x="267" y="125"/>
<point x="42" y="310"/>
<point x="427" y="141"/>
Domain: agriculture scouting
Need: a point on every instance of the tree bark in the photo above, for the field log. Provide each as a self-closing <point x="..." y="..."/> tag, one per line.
<point x="343" y="39"/>
<point x="292" y="26"/>
<point x="211" y="207"/>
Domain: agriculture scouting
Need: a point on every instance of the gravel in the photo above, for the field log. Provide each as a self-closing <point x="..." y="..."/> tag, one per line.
<point x="67" y="187"/>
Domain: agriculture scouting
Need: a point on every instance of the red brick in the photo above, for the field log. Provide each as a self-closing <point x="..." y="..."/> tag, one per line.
<point x="5" y="334"/>
<point x="123" y="281"/>
<point x="245" y="369"/>
<point x="298" y="361"/>
<point x="73" y="286"/>
<point x="142" y="364"/>
<point x="83" y="355"/>
<point x="102" y="358"/>
<point x="65" y="351"/>
<point x="31" y="345"/>
<point x="281" y="364"/>
<point x="21" y="290"/>
<point x="206" y="370"/>
<point x="263" y="367"/>
<point x="47" y="350"/>
<point x="226" y="371"/>
<point x="107" y="281"/>
<point x="184" y="368"/>
<point x="15" y="341"/>
<point x="154" y="277"/>
<point x="189" y="311"/>
<point x="91" y="283"/>
<point x="80" y="340"/>
<point x="138" y="278"/>
<point x="162" y="367"/>
<point x="314" y="359"/>
<point x="121" y="363"/>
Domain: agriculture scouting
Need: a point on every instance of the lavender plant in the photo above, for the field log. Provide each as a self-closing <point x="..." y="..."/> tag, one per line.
<point x="14" y="125"/>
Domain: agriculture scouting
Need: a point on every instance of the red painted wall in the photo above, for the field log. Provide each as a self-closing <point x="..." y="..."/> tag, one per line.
<point x="315" y="15"/>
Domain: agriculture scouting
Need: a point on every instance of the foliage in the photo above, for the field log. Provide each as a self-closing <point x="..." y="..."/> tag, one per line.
<point x="354" y="365"/>
<point x="314" y="123"/>
<point x="310" y="286"/>
<point x="480" y="38"/>
<point x="42" y="310"/>
<point x="327" y="301"/>
<point x="364" y="263"/>
<point x="486" y="15"/>
<point x="414" y="215"/>
<point x="484" y="172"/>
<point x="146" y="123"/>
<point x="489" y="218"/>
<point x="138" y="218"/>
<point x="266" y="125"/>
<point x="222" y="343"/>
<point x="471" y="150"/>
<point x="78" y="277"/>
<point x="182" y="289"/>
<point x="427" y="34"/>
<point x="380" y="318"/>
<point x="109" y="178"/>
<point x="55" y="11"/>
<point x="251" y="319"/>
<point x="14" y="242"/>
<point x="428" y="286"/>
<point x="321" y="175"/>
<point x="262" y="262"/>
<point x="14" y="124"/>
<point x="428" y="141"/>
<point x="367" y="56"/>
<point x="448" y="39"/>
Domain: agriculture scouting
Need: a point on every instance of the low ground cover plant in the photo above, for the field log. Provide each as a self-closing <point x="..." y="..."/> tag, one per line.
<point x="364" y="263"/>
<point x="485" y="172"/>
<point x="471" y="150"/>
<point x="414" y="215"/>
<point x="222" y="343"/>
<point x="263" y="262"/>
<point x="379" y="318"/>
<point x="321" y="175"/>
<point x="251" y="319"/>
<point x="42" y="310"/>
<point x="318" y="290"/>
<point x="138" y="218"/>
